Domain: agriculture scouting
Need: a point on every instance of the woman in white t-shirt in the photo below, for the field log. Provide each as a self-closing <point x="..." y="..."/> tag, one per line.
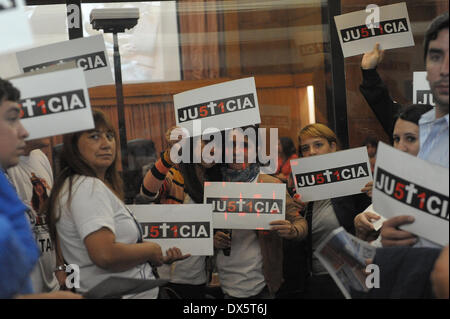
<point x="95" y="229"/>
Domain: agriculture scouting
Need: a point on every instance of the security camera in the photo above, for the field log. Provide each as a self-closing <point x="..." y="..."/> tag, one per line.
<point x="114" y="20"/>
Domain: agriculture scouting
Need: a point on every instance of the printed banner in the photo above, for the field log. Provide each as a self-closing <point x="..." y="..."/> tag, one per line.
<point x="407" y="185"/>
<point x="331" y="175"/>
<point x="187" y="227"/>
<point x="359" y="31"/>
<point x="245" y="205"/>
<point x="222" y="106"/>
<point x="14" y="25"/>
<point x="54" y="103"/>
<point x="89" y="54"/>
<point x="421" y="89"/>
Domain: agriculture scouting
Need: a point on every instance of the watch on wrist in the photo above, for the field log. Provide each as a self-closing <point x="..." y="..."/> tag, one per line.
<point x="60" y="268"/>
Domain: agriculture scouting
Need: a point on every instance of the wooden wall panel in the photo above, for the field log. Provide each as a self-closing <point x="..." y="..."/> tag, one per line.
<point x="264" y="42"/>
<point x="285" y="109"/>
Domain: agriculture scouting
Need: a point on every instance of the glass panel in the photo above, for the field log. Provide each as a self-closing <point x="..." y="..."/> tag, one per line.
<point x="146" y="55"/>
<point x="48" y="25"/>
<point x="396" y="68"/>
<point x="187" y="44"/>
<point x="283" y="44"/>
<point x="149" y="51"/>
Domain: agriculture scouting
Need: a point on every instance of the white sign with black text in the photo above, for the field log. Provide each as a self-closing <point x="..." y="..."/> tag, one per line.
<point x="15" y="29"/>
<point x="89" y="54"/>
<point x="54" y="103"/>
<point x="331" y="175"/>
<point x="245" y="205"/>
<point x="223" y="106"/>
<point x="421" y="89"/>
<point x="407" y="185"/>
<point x="187" y="227"/>
<point x="393" y="30"/>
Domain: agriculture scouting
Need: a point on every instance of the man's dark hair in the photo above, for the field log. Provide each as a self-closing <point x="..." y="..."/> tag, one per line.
<point x="439" y="23"/>
<point x="8" y="92"/>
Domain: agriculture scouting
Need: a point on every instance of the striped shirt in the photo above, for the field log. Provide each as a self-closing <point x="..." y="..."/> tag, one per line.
<point x="163" y="185"/>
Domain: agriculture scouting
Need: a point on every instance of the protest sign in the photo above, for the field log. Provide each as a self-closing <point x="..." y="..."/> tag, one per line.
<point x="89" y="54"/>
<point x="393" y="30"/>
<point x="421" y="89"/>
<point x="54" y="103"/>
<point x="407" y="185"/>
<point x="221" y="106"/>
<point x="245" y="205"/>
<point x="187" y="227"/>
<point x="331" y="175"/>
<point x="52" y="68"/>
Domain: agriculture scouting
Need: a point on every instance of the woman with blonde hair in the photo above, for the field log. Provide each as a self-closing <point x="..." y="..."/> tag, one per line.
<point x="324" y="216"/>
<point x="317" y="139"/>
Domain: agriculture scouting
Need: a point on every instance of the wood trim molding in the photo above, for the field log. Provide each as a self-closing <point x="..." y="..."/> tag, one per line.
<point x="153" y="92"/>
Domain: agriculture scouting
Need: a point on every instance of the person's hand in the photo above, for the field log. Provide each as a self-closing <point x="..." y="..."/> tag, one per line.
<point x="371" y="59"/>
<point x="391" y="235"/>
<point x="364" y="227"/>
<point x="284" y="228"/>
<point x="63" y="295"/>
<point x="297" y="199"/>
<point x="368" y="189"/>
<point x="156" y="256"/>
<point x="439" y="275"/>
<point x="61" y="276"/>
<point x="281" y="177"/>
<point x="52" y="295"/>
<point x="222" y="240"/>
<point x="173" y="254"/>
<point x="175" y="134"/>
<point x="177" y="138"/>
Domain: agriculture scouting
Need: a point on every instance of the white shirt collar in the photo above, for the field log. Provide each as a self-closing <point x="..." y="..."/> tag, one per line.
<point x="430" y="116"/>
